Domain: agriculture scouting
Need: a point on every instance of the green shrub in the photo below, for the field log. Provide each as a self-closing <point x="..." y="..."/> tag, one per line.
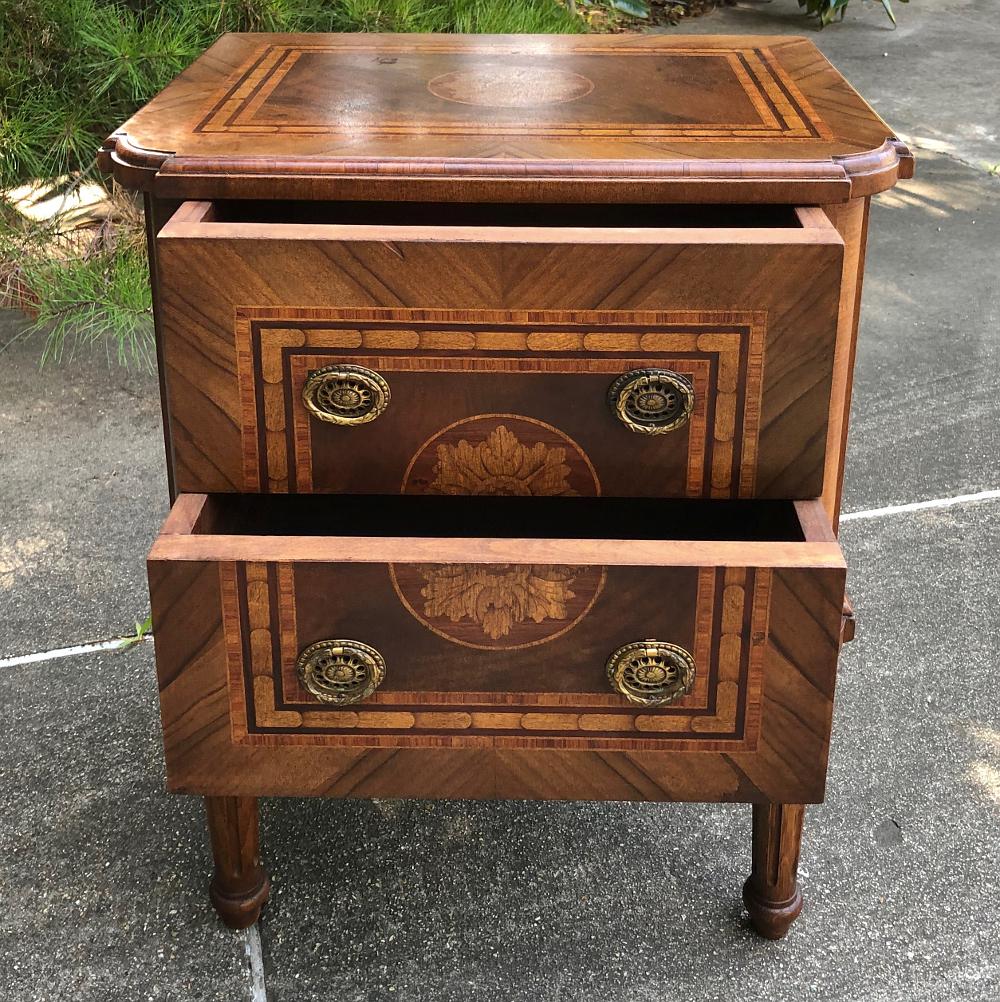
<point x="827" y="10"/>
<point x="73" y="70"/>
<point x="82" y="286"/>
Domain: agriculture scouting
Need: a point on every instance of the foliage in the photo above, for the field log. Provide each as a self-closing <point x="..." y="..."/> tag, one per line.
<point x="469" y="16"/>
<point x="634" y="8"/>
<point x="824" y="10"/>
<point x="72" y="70"/>
<point x="84" y="287"/>
<point x="827" y="10"/>
<point x="83" y="300"/>
<point x="143" y="630"/>
<point x="635" y="12"/>
<point x="673" y="10"/>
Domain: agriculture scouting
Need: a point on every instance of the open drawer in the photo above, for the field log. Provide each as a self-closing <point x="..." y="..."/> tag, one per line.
<point x="573" y="652"/>
<point x="624" y="351"/>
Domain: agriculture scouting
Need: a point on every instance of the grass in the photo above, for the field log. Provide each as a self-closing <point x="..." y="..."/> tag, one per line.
<point x="100" y="298"/>
<point x="72" y="70"/>
<point x="84" y="287"/>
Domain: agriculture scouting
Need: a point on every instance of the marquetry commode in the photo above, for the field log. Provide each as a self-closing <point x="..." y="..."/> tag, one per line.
<point x="505" y="390"/>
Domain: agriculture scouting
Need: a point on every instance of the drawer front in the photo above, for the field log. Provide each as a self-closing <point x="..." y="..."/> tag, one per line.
<point x="503" y="660"/>
<point x="493" y="355"/>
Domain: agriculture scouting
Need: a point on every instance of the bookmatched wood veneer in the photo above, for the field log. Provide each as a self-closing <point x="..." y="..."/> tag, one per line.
<point x="480" y="328"/>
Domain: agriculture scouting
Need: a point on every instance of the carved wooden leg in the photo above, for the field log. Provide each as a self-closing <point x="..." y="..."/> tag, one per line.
<point x="772" y="894"/>
<point x="239" y="886"/>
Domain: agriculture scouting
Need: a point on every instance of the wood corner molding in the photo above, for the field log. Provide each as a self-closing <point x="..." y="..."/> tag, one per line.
<point x="879" y="169"/>
<point x="496" y="170"/>
<point x="130" y="164"/>
<point x="837" y="179"/>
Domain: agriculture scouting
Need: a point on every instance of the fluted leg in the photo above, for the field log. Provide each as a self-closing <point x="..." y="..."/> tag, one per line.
<point x="772" y="894"/>
<point x="240" y="885"/>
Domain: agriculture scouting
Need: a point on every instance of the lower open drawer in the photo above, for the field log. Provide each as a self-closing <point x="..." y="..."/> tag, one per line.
<point x="584" y="649"/>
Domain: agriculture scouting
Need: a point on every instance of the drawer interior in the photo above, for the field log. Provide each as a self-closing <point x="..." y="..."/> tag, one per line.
<point x="505" y="518"/>
<point x="495" y="214"/>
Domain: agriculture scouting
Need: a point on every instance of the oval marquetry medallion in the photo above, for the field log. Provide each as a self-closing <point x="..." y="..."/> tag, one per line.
<point x="499" y="86"/>
<point x="501" y="455"/>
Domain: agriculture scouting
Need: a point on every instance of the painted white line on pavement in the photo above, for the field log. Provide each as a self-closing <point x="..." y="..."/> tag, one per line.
<point x="851" y="516"/>
<point x="66" y="652"/>
<point x="899" y="509"/>
<point x="255" y="958"/>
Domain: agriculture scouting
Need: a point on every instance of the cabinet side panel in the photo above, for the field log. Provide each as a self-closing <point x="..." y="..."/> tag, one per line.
<point x="157" y="211"/>
<point x="190" y="661"/>
<point x="851" y="221"/>
<point x="799" y="679"/>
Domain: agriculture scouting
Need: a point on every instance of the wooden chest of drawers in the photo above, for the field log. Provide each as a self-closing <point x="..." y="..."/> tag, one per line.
<point x="505" y="387"/>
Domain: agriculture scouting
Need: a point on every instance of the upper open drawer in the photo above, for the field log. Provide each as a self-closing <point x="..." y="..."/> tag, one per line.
<point x="620" y="350"/>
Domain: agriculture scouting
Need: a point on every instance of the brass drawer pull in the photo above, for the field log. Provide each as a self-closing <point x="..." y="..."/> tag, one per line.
<point x="345" y="394"/>
<point x="652" y="401"/>
<point x="651" y="673"/>
<point x="341" y="671"/>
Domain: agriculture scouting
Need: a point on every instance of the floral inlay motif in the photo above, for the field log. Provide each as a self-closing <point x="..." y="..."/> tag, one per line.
<point x="501" y="465"/>
<point x="497" y="597"/>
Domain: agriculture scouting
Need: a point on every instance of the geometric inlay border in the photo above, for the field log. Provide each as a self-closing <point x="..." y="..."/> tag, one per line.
<point x="782" y="111"/>
<point x="267" y="706"/>
<point x="722" y="351"/>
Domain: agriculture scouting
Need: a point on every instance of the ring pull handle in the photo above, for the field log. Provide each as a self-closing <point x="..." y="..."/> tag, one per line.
<point x="340" y="671"/>
<point x="347" y="395"/>
<point x="651" y="673"/>
<point x="652" y="401"/>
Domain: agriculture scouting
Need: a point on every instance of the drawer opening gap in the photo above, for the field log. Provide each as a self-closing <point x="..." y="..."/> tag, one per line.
<point x="499" y="517"/>
<point x="540" y="215"/>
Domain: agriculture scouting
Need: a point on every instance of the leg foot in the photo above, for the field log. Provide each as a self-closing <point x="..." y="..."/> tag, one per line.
<point x="240" y="885"/>
<point x="772" y="894"/>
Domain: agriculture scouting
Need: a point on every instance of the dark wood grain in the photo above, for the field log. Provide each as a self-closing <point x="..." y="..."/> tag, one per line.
<point x="156" y="213"/>
<point x="772" y="894"/>
<point x="509" y="118"/>
<point x="496" y="224"/>
<point x="240" y="886"/>
<point x="850" y="628"/>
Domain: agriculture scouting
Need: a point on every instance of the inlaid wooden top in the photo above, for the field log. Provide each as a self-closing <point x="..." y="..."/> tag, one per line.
<point x="535" y="117"/>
